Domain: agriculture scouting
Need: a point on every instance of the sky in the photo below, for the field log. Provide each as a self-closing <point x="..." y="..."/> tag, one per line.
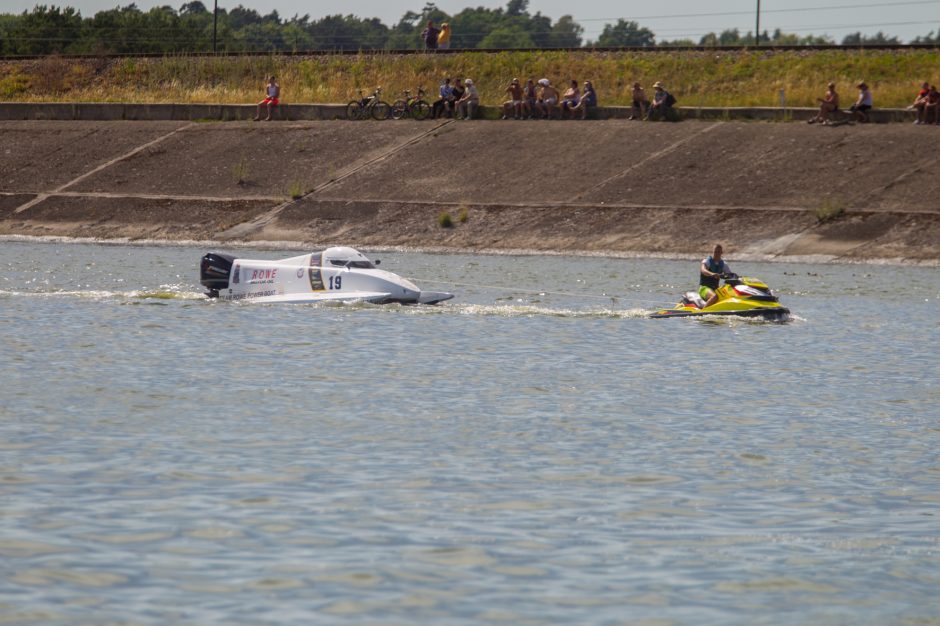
<point x="676" y="19"/>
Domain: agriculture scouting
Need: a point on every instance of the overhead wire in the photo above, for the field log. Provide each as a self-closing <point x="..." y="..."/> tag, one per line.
<point x="338" y="37"/>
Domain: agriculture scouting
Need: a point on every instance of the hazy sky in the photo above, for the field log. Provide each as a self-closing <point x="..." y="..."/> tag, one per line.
<point x="676" y="19"/>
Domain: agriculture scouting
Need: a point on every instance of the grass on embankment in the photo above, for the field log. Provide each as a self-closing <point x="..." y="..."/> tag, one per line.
<point x="697" y="78"/>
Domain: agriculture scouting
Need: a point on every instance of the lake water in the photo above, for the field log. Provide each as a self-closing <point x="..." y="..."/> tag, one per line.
<point x="534" y="451"/>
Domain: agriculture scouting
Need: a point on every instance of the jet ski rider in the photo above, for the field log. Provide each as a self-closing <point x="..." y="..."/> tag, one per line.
<point x="710" y="276"/>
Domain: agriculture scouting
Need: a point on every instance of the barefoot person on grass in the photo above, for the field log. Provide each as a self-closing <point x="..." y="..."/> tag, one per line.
<point x="273" y="91"/>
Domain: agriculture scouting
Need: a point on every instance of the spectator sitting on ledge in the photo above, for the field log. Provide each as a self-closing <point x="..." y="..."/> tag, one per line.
<point x="932" y="108"/>
<point x="273" y="91"/>
<point x="827" y="105"/>
<point x="530" y="102"/>
<point x="640" y="102"/>
<point x="571" y="97"/>
<point x="920" y="103"/>
<point x="663" y="101"/>
<point x="468" y="104"/>
<point x="442" y="105"/>
<point x="548" y="98"/>
<point x="863" y="104"/>
<point x="588" y="100"/>
<point x="515" y="102"/>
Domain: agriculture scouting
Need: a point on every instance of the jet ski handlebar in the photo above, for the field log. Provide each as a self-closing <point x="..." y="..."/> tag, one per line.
<point x="729" y="276"/>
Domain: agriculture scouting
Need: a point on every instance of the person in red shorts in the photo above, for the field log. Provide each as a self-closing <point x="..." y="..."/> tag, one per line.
<point x="272" y="99"/>
<point x="920" y="104"/>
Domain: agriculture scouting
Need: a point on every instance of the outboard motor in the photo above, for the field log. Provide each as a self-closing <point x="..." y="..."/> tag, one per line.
<point x="214" y="270"/>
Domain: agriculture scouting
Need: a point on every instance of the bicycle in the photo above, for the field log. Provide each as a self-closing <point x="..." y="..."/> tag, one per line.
<point x="362" y="108"/>
<point x="415" y="107"/>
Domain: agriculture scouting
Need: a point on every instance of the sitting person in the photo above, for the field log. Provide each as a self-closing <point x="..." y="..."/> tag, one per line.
<point x="932" y="108"/>
<point x="662" y="104"/>
<point x="548" y="98"/>
<point x="456" y="94"/>
<point x="273" y="91"/>
<point x="530" y="99"/>
<point x="443" y="105"/>
<point x="515" y="102"/>
<point x="710" y="274"/>
<point x="827" y="105"/>
<point x="588" y="100"/>
<point x="863" y="104"/>
<point x="468" y="103"/>
<point x="571" y="97"/>
<point x="920" y="103"/>
<point x="640" y="102"/>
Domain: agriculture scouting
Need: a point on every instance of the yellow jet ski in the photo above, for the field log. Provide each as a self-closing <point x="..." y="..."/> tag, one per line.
<point x="740" y="296"/>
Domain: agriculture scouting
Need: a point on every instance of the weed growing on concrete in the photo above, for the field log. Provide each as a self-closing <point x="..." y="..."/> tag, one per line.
<point x="462" y="215"/>
<point x="296" y="190"/>
<point x="241" y="171"/>
<point x="830" y="209"/>
<point x="444" y="220"/>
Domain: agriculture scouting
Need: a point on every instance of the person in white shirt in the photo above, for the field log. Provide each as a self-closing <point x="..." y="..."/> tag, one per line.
<point x="863" y="104"/>
<point x="467" y="104"/>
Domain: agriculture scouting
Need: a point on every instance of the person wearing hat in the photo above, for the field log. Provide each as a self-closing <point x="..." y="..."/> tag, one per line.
<point x="662" y="104"/>
<point x="827" y="105"/>
<point x="548" y="98"/>
<point x="468" y="104"/>
<point x="515" y="102"/>
<point x="863" y="104"/>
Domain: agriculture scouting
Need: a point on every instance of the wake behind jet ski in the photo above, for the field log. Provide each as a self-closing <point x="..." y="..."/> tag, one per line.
<point x="338" y="273"/>
<point x="740" y="296"/>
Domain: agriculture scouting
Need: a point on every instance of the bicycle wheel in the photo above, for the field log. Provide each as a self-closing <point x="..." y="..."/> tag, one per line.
<point x="354" y="110"/>
<point x="420" y="110"/>
<point x="399" y="109"/>
<point x="381" y="110"/>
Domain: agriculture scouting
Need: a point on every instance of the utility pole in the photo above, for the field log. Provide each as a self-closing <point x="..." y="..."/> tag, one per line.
<point x="215" y="20"/>
<point x="757" y="28"/>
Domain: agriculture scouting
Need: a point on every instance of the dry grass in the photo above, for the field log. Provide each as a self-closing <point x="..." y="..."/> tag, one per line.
<point x="696" y="78"/>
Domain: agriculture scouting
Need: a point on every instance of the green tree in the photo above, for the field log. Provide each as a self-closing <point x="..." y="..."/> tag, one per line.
<point x="625" y="33"/>
<point x="858" y="39"/>
<point x="566" y="33"/>
<point x="506" y="37"/>
<point x="930" y="37"/>
<point x="45" y="30"/>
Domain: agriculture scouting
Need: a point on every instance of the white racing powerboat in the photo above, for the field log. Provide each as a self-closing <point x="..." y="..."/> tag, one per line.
<point x="338" y="273"/>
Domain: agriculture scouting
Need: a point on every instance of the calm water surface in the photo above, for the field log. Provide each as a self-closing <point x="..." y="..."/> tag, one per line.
<point x="535" y="451"/>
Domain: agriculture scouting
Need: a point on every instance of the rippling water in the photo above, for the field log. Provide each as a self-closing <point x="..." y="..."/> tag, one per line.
<point x="534" y="451"/>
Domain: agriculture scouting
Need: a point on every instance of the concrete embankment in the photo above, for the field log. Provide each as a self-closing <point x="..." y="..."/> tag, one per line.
<point x="850" y="193"/>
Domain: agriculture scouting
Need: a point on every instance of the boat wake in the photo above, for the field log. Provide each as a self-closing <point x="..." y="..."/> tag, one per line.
<point x="163" y="292"/>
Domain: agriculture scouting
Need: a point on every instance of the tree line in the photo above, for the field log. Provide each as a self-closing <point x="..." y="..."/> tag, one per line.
<point x="193" y="28"/>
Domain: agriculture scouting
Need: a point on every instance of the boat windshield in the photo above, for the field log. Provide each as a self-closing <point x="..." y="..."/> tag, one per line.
<point x="360" y="265"/>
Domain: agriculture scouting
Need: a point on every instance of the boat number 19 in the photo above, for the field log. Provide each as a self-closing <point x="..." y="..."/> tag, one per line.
<point x="336" y="282"/>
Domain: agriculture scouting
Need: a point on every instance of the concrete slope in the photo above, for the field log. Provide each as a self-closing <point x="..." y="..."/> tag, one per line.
<point x="608" y="186"/>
